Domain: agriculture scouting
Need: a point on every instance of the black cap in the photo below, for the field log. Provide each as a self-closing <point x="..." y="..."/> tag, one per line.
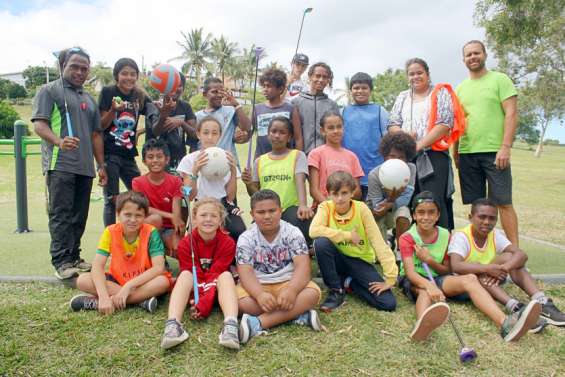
<point x="300" y="58"/>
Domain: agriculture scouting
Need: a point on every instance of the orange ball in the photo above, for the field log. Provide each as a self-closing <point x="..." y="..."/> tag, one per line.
<point x="165" y="78"/>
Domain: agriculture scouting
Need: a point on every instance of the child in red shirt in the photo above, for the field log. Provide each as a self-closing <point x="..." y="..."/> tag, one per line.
<point x="214" y="251"/>
<point x="163" y="190"/>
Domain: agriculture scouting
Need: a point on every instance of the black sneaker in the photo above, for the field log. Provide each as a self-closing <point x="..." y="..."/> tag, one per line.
<point x="553" y="315"/>
<point x="539" y="326"/>
<point x="150" y="304"/>
<point x="82" y="265"/>
<point x="83" y="302"/>
<point x="335" y="299"/>
<point x="66" y="271"/>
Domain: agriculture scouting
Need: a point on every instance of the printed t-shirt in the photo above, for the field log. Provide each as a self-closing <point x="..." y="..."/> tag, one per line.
<point x="119" y="137"/>
<point x="364" y="127"/>
<point x="271" y="261"/>
<point x="482" y="101"/>
<point x="278" y="174"/>
<point x="215" y="188"/>
<point x="329" y="160"/>
<point x="264" y="114"/>
<point x="160" y="196"/>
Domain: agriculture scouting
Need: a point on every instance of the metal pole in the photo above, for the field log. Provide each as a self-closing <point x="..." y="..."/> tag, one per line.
<point x="21" y="183"/>
<point x="307" y="10"/>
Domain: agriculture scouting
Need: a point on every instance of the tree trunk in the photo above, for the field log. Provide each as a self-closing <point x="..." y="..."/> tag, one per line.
<point x="539" y="148"/>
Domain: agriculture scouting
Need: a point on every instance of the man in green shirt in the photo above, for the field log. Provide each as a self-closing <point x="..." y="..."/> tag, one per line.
<point x="490" y="102"/>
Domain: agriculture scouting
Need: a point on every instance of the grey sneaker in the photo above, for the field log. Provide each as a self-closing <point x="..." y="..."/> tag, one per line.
<point x="82" y="265"/>
<point x="309" y="318"/>
<point x="229" y="337"/>
<point x="174" y="334"/>
<point x="83" y="302"/>
<point x="66" y="271"/>
<point x="539" y="326"/>
<point x="553" y="315"/>
<point x="150" y="304"/>
<point x="517" y="324"/>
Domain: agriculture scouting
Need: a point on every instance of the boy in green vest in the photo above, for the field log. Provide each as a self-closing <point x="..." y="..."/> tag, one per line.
<point x="484" y="251"/>
<point x="425" y="244"/>
<point x="347" y="244"/>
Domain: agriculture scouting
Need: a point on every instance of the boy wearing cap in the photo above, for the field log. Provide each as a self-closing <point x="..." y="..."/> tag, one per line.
<point x="295" y="82"/>
<point x="364" y="126"/>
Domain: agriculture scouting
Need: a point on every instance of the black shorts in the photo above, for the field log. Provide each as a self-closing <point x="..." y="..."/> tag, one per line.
<point x="406" y="286"/>
<point x="475" y="170"/>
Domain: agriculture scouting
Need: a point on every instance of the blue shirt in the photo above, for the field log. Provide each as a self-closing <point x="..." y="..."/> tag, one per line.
<point x="228" y="119"/>
<point x="364" y="127"/>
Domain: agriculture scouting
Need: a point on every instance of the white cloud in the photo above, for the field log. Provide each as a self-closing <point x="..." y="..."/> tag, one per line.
<point x="349" y="35"/>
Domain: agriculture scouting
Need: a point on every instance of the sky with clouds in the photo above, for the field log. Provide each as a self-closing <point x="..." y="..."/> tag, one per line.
<point x="351" y="36"/>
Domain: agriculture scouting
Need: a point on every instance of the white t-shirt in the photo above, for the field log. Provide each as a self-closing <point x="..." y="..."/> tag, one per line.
<point x="215" y="188"/>
<point x="459" y="243"/>
<point x="295" y="87"/>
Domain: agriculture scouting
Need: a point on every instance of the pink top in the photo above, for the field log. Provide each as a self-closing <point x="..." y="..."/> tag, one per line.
<point x="328" y="160"/>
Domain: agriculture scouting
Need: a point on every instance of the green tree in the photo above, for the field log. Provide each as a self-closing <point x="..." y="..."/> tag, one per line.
<point x="198" y="102"/>
<point x="9" y="89"/>
<point x="196" y="52"/>
<point x="222" y="54"/>
<point x="527" y="39"/>
<point x="387" y="86"/>
<point x="36" y="76"/>
<point x="8" y="115"/>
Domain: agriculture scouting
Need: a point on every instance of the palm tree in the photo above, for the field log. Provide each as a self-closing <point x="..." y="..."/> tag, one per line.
<point x="196" y="52"/>
<point x="223" y="54"/>
<point x="248" y="61"/>
<point x="344" y="93"/>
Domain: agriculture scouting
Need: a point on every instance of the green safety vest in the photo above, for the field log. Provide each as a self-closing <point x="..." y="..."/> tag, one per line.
<point x="279" y="176"/>
<point x="364" y="251"/>
<point x="483" y="256"/>
<point x="437" y="250"/>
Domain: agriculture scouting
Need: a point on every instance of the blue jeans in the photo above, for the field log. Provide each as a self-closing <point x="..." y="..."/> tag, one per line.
<point x="335" y="267"/>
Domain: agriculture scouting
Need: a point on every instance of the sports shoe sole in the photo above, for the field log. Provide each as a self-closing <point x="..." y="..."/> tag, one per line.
<point x="169" y="342"/>
<point x="73" y="275"/>
<point x="538" y="327"/>
<point x="151" y="306"/>
<point x="552" y="321"/>
<point x="325" y="309"/>
<point x="244" y="330"/>
<point x="228" y="343"/>
<point x="527" y="320"/>
<point x="432" y="318"/>
<point x="315" y="320"/>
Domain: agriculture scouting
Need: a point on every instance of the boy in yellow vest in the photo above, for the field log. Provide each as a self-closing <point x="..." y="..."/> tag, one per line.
<point x="482" y="250"/>
<point x="347" y="243"/>
<point x="137" y="265"/>
<point x="424" y="251"/>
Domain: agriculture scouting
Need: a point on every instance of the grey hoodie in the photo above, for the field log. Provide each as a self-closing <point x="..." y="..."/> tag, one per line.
<point x="311" y="108"/>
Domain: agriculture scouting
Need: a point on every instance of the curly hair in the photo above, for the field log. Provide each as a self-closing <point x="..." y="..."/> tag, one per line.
<point x="398" y="140"/>
<point x="326" y="67"/>
<point x="273" y="76"/>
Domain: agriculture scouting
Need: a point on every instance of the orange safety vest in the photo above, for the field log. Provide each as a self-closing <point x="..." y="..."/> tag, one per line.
<point x="458" y="129"/>
<point x="126" y="267"/>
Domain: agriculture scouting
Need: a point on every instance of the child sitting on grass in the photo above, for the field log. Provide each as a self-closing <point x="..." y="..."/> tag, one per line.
<point x="482" y="250"/>
<point x="209" y="132"/>
<point x="425" y="242"/>
<point x="163" y="190"/>
<point x="137" y="265"/>
<point x="390" y="208"/>
<point x="347" y="243"/>
<point x="274" y="269"/>
<point x="283" y="170"/>
<point x="214" y="252"/>
<point x="331" y="157"/>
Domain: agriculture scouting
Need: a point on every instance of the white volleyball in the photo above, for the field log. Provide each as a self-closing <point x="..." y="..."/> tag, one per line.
<point x="394" y="173"/>
<point x="217" y="166"/>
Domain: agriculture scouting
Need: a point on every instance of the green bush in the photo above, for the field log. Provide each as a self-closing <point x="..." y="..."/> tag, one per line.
<point x="7" y="118"/>
<point x="198" y="102"/>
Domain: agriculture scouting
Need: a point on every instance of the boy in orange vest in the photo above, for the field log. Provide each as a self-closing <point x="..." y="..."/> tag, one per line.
<point x="137" y="268"/>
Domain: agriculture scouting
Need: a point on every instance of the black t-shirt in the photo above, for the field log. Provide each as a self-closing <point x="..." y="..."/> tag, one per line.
<point x="119" y="137"/>
<point x="176" y="138"/>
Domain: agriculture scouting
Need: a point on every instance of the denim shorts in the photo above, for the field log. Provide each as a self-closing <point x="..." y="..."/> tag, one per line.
<point x="406" y="286"/>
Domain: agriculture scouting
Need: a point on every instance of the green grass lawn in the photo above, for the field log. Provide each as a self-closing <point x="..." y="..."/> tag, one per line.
<point x="42" y="337"/>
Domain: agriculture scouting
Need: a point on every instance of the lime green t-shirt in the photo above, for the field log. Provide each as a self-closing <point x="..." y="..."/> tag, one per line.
<point x="482" y="101"/>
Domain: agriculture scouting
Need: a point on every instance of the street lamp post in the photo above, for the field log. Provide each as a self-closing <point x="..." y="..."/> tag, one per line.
<point x="307" y="10"/>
